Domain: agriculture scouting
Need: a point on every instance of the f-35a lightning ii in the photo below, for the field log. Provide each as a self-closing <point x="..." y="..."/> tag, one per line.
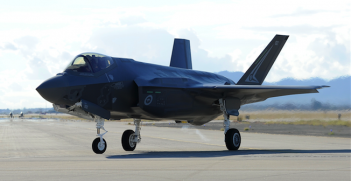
<point x="98" y="87"/>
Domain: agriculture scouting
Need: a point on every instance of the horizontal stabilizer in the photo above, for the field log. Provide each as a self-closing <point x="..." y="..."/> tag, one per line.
<point x="258" y="71"/>
<point x="181" y="56"/>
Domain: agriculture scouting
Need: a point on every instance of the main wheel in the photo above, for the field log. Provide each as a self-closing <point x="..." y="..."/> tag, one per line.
<point x="232" y="139"/>
<point x="99" y="147"/>
<point x="127" y="140"/>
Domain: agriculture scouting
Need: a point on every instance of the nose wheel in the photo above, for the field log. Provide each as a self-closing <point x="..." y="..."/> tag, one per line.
<point x="98" y="146"/>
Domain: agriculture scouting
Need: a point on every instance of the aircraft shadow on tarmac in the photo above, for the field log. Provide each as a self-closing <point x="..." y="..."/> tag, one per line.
<point x="209" y="154"/>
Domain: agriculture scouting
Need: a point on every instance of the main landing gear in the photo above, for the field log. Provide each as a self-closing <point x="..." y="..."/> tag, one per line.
<point x="99" y="145"/>
<point x="130" y="138"/>
<point x="232" y="137"/>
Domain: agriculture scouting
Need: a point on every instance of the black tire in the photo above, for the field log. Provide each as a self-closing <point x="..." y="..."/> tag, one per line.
<point x="126" y="144"/>
<point x="95" y="146"/>
<point x="232" y="139"/>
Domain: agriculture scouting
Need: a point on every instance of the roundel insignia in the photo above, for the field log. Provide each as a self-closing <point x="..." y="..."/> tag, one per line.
<point x="148" y="100"/>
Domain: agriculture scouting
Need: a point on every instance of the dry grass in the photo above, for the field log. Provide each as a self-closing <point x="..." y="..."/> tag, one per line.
<point x="63" y="117"/>
<point x="47" y="116"/>
<point x="314" y="123"/>
<point x="291" y="115"/>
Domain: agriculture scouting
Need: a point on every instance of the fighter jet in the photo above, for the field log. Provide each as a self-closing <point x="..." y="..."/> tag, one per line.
<point x="98" y="87"/>
<point x="21" y="115"/>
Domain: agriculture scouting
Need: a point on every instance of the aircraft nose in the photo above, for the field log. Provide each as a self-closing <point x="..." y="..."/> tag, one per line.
<point x="53" y="89"/>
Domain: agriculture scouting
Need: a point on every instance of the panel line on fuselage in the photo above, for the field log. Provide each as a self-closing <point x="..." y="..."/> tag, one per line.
<point x="107" y="78"/>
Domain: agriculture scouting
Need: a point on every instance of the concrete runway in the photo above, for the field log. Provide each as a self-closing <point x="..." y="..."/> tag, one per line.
<point x="54" y="150"/>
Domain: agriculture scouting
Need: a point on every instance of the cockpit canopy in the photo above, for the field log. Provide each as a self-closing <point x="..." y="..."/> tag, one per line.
<point x="89" y="63"/>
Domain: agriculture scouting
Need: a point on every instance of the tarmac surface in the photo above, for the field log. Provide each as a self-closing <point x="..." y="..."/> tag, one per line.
<point x="261" y="127"/>
<point x="57" y="150"/>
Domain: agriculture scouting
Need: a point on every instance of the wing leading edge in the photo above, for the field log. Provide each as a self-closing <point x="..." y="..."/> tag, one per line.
<point x="255" y="93"/>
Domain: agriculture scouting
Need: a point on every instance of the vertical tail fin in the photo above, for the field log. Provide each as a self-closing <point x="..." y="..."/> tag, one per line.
<point x="258" y="71"/>
<point x="181" y="56"/>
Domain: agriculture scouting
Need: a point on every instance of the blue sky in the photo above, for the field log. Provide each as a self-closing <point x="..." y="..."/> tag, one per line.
<point x="38" y="38"/>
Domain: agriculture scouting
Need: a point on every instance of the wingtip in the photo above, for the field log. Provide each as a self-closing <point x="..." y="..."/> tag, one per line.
<point x="323" y="86"/>
<point x="282" y="35"/>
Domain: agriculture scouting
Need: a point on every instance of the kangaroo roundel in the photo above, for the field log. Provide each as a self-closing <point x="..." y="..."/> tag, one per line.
<point x="148" y="100"/>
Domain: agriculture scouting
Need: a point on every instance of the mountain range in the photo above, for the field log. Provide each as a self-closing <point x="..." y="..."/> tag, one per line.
<point x="338" y="94"/>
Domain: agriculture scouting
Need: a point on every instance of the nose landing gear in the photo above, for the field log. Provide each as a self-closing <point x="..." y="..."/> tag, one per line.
<point x="99" y="145"/>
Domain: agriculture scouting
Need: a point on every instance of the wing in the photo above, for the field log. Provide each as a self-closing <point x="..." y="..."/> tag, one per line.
<point x="246" y="93"/>
<point x="254" y="93"/>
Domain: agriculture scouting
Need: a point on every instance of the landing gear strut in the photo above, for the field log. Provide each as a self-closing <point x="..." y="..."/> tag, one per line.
<point x="99" y="145"/>
<point x="130" y="138"/>
<point x="232" y="137"/>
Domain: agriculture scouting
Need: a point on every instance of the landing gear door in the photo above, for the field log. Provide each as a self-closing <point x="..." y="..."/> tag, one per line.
<point x="95" y="109"/>
<point x="232" y="106"/>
